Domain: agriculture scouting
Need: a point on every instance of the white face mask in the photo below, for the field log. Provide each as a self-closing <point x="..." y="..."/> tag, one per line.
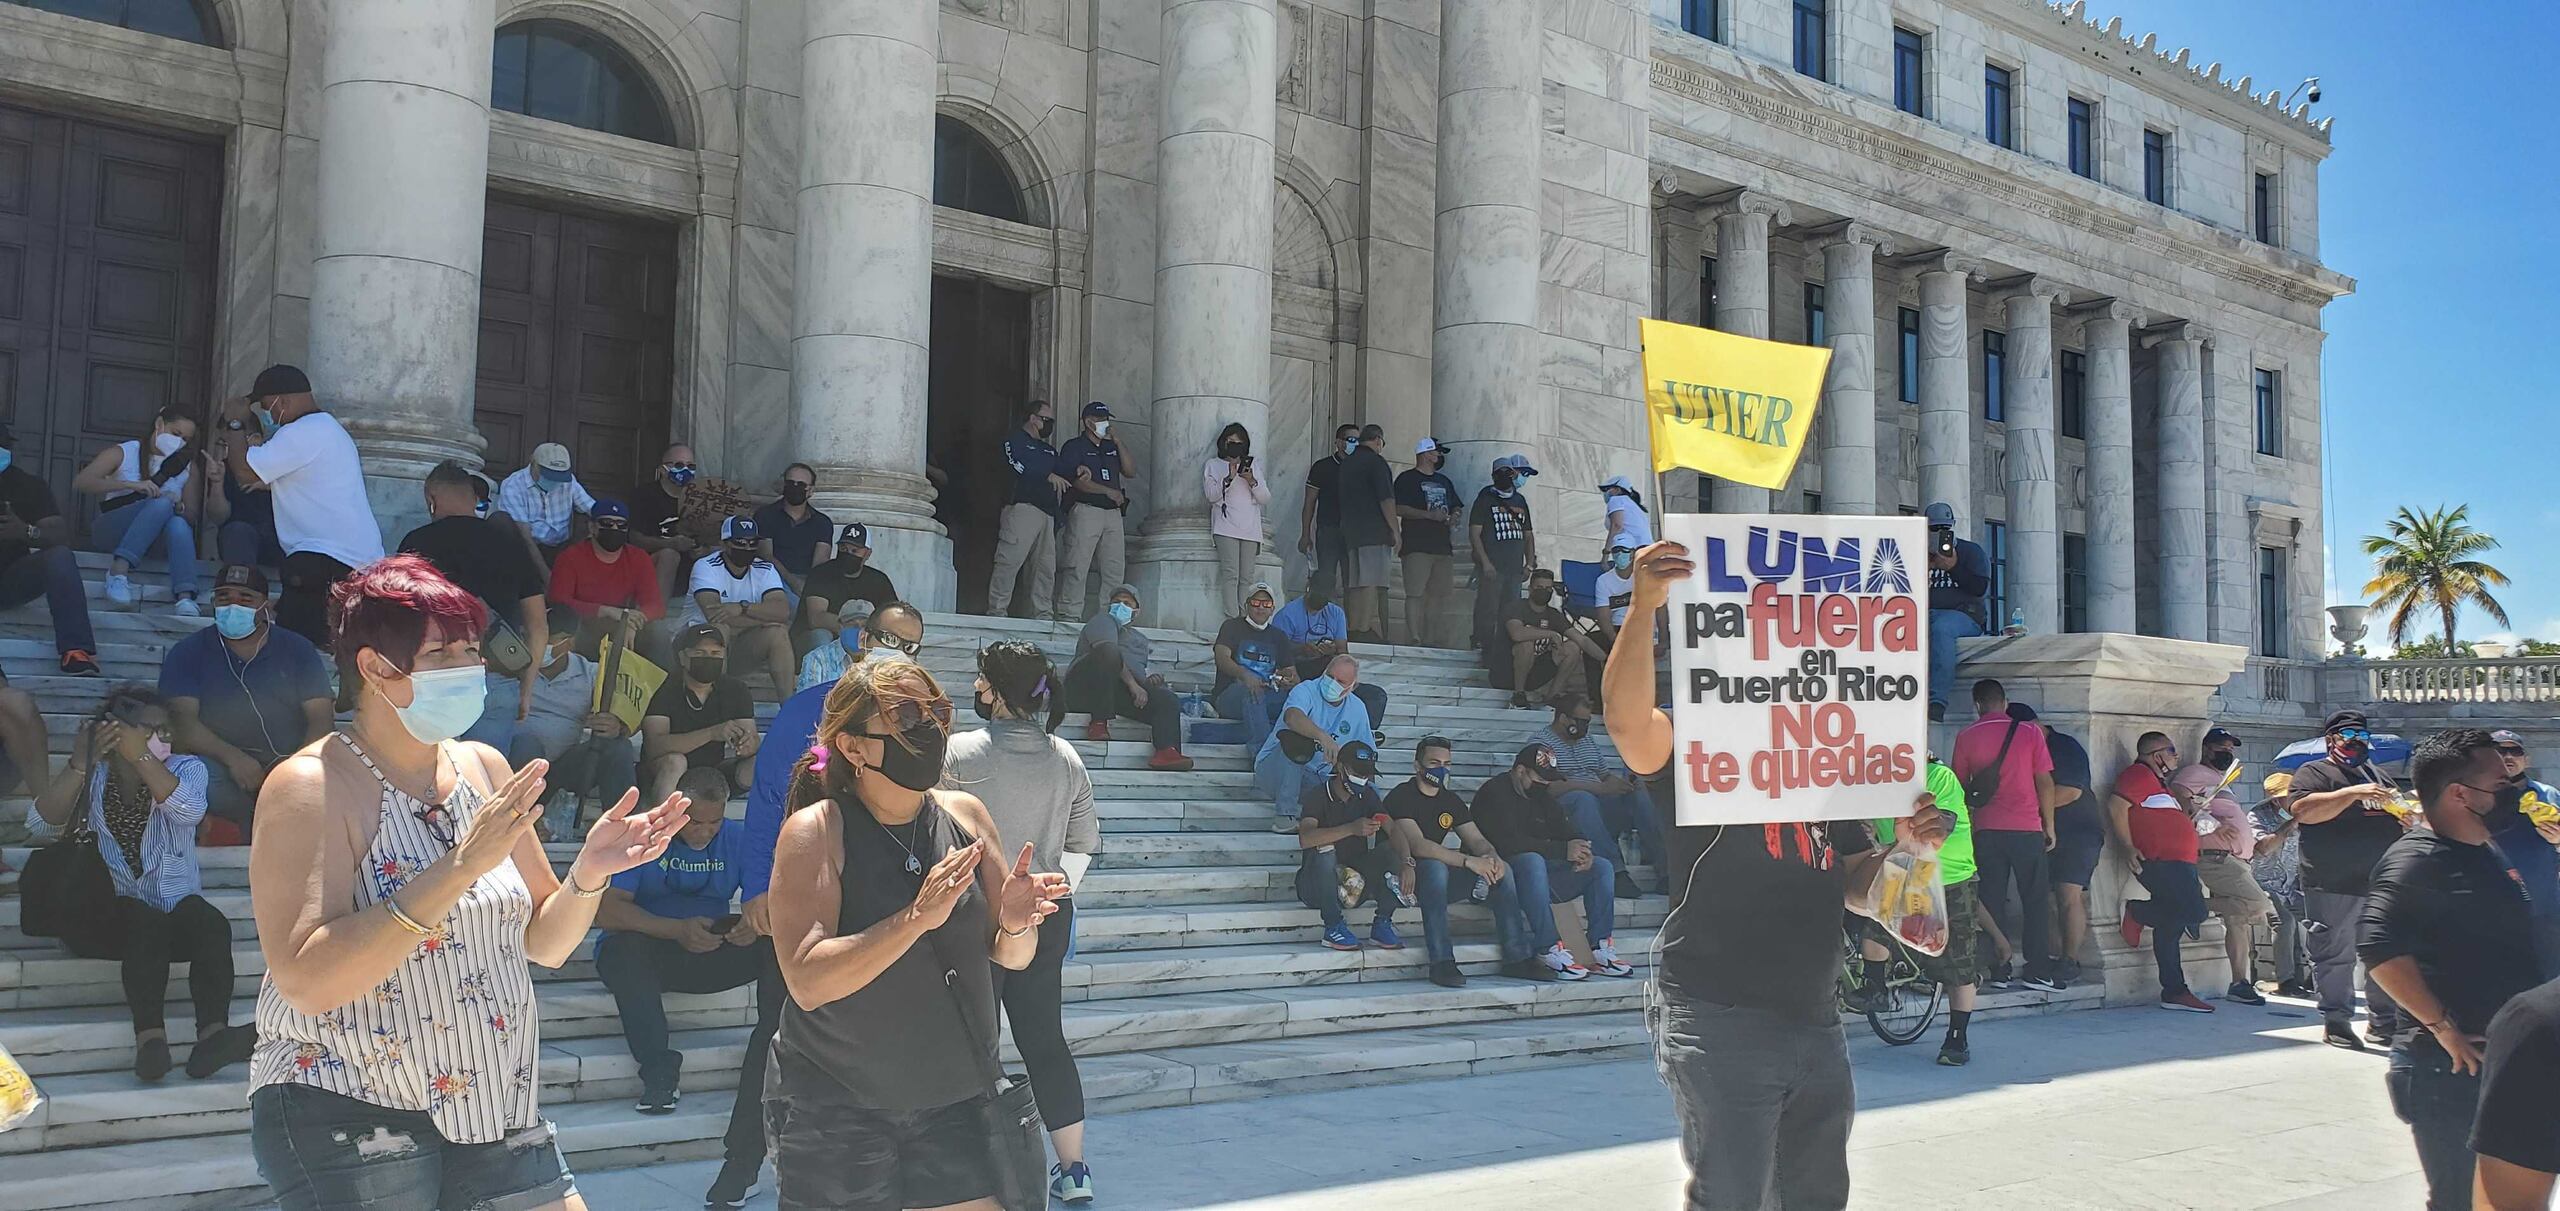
<point x="168" y="444"/>
<point x="1102" y="428"/>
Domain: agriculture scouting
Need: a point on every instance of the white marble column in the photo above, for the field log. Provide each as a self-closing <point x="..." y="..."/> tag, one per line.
<point x="1849" y="398"/>
<point x="2108" y="403"/>
<point x="395" y="275"/>
<point x="1485" y="394"/>
<point x="1946" y="388"/>
<point x="1213" y="283"/>
<point x="862" y="291"/>
<point x="2183" y="592"/>
<point x="1742" y="301"/>
<point x="2035" y="532"/>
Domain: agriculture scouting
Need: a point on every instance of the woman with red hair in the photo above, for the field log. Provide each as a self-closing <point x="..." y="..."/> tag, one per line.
<point x="400" y="894"/>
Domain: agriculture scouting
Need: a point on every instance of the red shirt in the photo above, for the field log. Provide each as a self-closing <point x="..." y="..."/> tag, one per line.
<point x="2015" y="807"/>
<point x="583" y="580"/>
<point x="2159" y="833"/>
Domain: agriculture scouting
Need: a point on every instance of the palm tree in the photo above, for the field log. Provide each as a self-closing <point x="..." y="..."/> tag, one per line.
<point x="2430" y="561"/>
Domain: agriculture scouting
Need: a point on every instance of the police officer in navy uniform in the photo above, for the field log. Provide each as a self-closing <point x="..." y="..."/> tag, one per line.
<point x="1026" y="532"/>
<point x="1097" y="471"/>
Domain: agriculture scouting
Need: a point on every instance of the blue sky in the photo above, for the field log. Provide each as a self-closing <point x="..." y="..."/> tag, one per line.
<point x="2439" y="199"/>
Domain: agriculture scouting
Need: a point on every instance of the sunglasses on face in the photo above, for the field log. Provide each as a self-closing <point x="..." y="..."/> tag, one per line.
<point x="895" y="644"/>
<point x="2509" y="750"/>
<point x="799" y="483"/>
<point x="914" y="716"/>
<point x="2354" y="734"/>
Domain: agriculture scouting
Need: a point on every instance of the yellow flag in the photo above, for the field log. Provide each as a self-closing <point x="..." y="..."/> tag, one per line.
<point x="1731" y="406"/>
<point x="635" y="682"/>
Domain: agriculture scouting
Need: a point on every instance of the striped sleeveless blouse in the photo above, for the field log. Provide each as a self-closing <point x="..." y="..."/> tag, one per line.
<point x="452" y="1032"/>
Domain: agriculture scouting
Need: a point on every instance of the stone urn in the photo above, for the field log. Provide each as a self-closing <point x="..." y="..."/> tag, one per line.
<point x="2488" y="649"/>
<point x="2346" y="625"/>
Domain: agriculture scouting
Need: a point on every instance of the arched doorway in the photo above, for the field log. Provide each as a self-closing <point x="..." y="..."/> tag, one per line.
<point x="1304" y="402"/>
<point x="980" y="369"/>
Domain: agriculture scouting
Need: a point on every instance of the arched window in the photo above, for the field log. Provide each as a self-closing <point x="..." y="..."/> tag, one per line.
<point x="968" y="176"/>
<point x="184" y="19"/>
<point x="563" y="73"/>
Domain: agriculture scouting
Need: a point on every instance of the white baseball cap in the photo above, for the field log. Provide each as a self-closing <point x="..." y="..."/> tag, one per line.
<point x="551" y="456"/>
<point x="1620" y="482"/>
<point x="1429" y="444"/>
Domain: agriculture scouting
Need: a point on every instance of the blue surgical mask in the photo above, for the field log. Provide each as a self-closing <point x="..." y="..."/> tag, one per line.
<point x="1622" y="562"/>
<point x="851" y="638"/>
<point x="1349" y="444"/>
<point x="548" y="478"/>
<point x="266" y="419"/>
<point x="5" y="458"/>
<point x="235" y="621"/>
<point x="444" y="703"/>
<point x="1121" y="612"/>
<point x="1332" y="690"/>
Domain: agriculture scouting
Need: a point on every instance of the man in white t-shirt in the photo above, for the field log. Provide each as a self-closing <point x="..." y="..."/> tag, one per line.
<point x="306" y="460"/>
<point x="1613" y="590"/>
<point x="743" y="596"/>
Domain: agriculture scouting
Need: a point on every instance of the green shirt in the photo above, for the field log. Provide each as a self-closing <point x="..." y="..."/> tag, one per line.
<point x="1955" y="857"/>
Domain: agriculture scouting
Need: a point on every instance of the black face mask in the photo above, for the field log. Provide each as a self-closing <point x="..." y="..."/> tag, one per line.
<point x="1231" y="450"/>
<point x="919" y="768"/>
<point x="1541" y="595"/>
<point x="2220" y="760"/>
<point x="739" y="557"/>
<point x="612" y="540"/>
<point x="705" y="669"/>
<point x="1574" y="729"/>
<point x="1505" y="481"/>
<point x="795" y="494"/>
<point x="1047" y="427"/>
<point x="978" y="703"/>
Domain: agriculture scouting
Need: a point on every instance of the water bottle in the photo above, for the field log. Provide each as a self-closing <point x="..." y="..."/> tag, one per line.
<point x="2017" y="623"/>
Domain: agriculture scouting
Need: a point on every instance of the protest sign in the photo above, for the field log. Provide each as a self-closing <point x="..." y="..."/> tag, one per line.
<point x="1799" y="667"/>
<point x="1734" y="407"/>
<point x="628" y="683"/>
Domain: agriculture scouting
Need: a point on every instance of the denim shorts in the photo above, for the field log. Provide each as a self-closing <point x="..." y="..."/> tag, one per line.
<point x="321" y="1151"/>
<point x="832" y="1157"/>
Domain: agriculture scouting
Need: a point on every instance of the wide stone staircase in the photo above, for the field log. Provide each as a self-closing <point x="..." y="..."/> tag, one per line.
<point x="1198" y="976"/>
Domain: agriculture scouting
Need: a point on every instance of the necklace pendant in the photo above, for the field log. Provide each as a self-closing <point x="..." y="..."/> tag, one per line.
<point x="915" y="866"/>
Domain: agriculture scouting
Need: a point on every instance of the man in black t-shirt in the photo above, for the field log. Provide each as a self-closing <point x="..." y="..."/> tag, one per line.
<point x="2516" y="1134"/>
<point x="1502" y="539"/>
<point x="1339" y="863"/>
<point x="1427" y="502"/>
<point x="850" y="576"/>
<point x="656" y="509"/>
<point x="702" y="718"/>
<point x="1369" y="523"/>
<point x="1427" y="816"/>
<point x="1550" y="655"/>
<point x="490" y="561"/>
<point x="1746" y="1008"/>
<point x="2339" y="801"/>
<point x="795" y="531"/>
<point x="36" y="561"/>
<point x="1320" y="510"/>
<point x="1554" y="862"/>
<point x="1253" y="678"/>
<point x="2447" y="931"/>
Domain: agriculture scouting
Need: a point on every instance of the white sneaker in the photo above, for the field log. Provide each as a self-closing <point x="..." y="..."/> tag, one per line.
<point x="1606" y="955"/>
<point x="187" y="608"/>
<point x="1560" y="961"/>
<point x="119" y="588"/>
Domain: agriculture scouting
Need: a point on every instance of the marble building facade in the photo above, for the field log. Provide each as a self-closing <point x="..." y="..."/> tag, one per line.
<point x="1443" y="216"/>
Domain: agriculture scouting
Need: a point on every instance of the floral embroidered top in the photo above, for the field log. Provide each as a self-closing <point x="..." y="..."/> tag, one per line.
<point x="453" y="1032"/>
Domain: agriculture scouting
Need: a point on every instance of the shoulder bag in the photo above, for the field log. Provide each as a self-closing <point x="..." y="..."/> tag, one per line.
<point x="1017" y="1142"/>
<point x="65" y="885"/>
<point x="1985" y="782"/>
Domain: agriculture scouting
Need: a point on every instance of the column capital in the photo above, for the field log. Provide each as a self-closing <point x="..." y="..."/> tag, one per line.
<point x="2029" y="285"/>
<point x="1851" y="231"/>
<point x="1945" y="260"/>
<point x="2109" y="309"/>
<point x="1666" y="184"/>
<point x="1748" y="201"/>
<point x="2173" y="329"/>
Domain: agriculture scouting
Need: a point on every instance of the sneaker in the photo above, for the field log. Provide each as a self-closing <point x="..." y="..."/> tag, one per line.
<point x="2294" y="988"/>
<point x="1071" y="1184"/>
<point x="1937" y="712"/>
<point x="1520" y="698"/>
<point x="737" y="1180"/>
<point x="1445" y="973"/>
<point x="1560" y="961"/>
<point x="1340" y="937"/>
<point x="120" y="588"/>
<point x="2342" y="1035"/>
<point x="78" y="663"/>
<point x="2243" y="993"/>
<point x="2002" y="978"/>
<point x="1098" y="730"/>
<point x="221" y="1049"/>
<point x="2043" y="983"/>
<point x="2185" y="1001"/>
<point x="2376" y="1035"/>
<point x="2067" y="970"/>
<point x="1169" y="759"/>
<point x="1627" y="889"/>
<point x="662" y="1100"/>
<point x="1871" y="998"/>
<point x="1284" y="824"/>
<point x="1606" y="955"/>
<point x="187" y="608"/>
<point x="1532" y="970"/>
<point x="1956" y="1052"/>
<point x="1383" y="935"/>
<point x="151" y="1059"/>
<point x="2130" y="928"/>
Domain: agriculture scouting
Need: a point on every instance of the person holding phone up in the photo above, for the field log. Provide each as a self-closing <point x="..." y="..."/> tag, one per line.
<point x="1236" y="495"/>
<point x="1959" y="582"/>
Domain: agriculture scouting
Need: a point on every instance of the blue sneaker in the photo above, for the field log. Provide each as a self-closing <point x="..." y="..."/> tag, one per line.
<point x="1340" y="937"/>
<point x="1384" y="934"/>
<point x="1071" y="1184"/>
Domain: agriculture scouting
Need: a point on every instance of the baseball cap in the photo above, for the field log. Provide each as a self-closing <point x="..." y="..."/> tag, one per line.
<point x="1517" y="462"/>
<point x="1539" y="759"/>
<point x="855" y="533"/>
<point x="740" y="529"/>
<point x="609" y="508"/>
<point x="1261" y="588"/>
<point x="2346" y="718"/>
<point x="551" y="456"/>
<point x="855" y="610"/>
<point x="242" y="576"/>
<point x="1358" y="759"/>
<point x="2217" y="735"/>
<point x="280" y="379"/>
<point x="2023" y="713"/>
<point x="2506" y="736"/>
<point x="1097" y="408"/>
<point x="1132" y="591"/>
<point x="1620" y="482"/>
<point x="1942" y="516"/>
<point x="694" y="636"/>
<point x="1428" y="445"/>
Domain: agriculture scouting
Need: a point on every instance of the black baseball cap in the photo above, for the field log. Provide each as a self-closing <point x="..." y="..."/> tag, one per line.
<point x="694" y="636"/>
<point x="1358" y="760"/>
<point x="243" y="576"/>
<point x="280" y="379"/>
<point x="2219" y="735"/>
<point x="854" y="534"/>
<point x="1538" y="759"/>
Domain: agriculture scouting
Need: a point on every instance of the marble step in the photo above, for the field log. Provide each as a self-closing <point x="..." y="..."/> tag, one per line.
<point x="216" y="1170"/>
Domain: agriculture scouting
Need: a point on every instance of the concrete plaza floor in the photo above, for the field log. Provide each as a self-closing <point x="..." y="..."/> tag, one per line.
<point x="2132" y="1108"/>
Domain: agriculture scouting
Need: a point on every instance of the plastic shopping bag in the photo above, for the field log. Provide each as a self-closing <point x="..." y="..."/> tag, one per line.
<point x="18" y="1095"/>
<point x="1909" y="898"/>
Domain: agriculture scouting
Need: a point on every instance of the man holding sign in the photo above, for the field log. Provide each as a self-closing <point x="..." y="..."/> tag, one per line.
<point x="1748" y="1032"/>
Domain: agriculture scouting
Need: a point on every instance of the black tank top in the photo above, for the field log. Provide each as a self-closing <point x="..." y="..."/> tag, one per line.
<point x="898" y="1044"/>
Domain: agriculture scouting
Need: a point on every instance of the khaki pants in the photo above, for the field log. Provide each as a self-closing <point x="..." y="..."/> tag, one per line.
<point x="1093" y="541"/>
<point x="1236" y="559"/>
<point x="1026" y="542"/>
<point x="1427" y="620"/>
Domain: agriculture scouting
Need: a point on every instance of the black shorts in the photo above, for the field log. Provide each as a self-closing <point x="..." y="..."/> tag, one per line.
<point x="830" y="1157"/>
<point x="2075" y="856"/>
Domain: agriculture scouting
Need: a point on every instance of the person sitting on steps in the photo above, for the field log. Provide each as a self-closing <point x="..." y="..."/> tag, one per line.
<point x="143" y="490"/>
<point x="1342" y="862"/>
<point x="1111" y="676"/>
<point x="1427" y="814"/>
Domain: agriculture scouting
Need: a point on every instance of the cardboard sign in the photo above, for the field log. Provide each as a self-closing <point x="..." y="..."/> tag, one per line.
<point x="632" y="683"/>
<point x="1799" y="667"/>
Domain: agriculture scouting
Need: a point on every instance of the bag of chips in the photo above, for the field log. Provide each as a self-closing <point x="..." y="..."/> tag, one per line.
<point x="1909" y="898"/>
<point x="18" y="1095"/>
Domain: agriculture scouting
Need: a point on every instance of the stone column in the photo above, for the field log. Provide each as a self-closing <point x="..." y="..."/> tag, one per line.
<point x="1485" y="393"/>
<point x="395" y="274"/>
<point x="1742" y="300"/>
<point x="2108" y="403"/>
<point x="862" y="291"/>
<point x="2035" y="533"/>
<point x="1849" y="399"/>
<point x="1213" y="284"/>
<point x="1946" y="393"/>
<point x="2182" y="500"/>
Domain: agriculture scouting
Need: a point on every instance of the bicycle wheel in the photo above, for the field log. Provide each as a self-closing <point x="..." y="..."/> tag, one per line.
<point x="1914" y="1005"/>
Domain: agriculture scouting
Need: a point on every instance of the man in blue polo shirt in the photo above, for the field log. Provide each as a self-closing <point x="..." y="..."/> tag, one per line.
<point x="1026" y="542"/>
<point x="1321" y="715"/>
<point x="243" y="693"/>
<point x="1097" y="470"/>
<point x="793" y="730"/>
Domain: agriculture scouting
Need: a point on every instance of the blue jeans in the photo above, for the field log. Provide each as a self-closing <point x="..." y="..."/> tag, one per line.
<point x="2439" y="1105"/>
<point x="598" y="770"/>
<point x="1601" y="818"/>
<point x="1543" y="886"/>
<point x="248" y="543"/>
<point x="1436" y="880"/>
<point x="639" y="970"/>
<point x="320" y="1151"/>
<point x="1255" y="711"/>
<point x="130" y="531"/>
<point x="52" y="573"/>
<point x="1320" y="878"/>
<point x="1286" y="781"/>
<point x="1945" y="628"/>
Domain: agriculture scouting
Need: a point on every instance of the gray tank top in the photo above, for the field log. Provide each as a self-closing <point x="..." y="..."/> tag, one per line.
<point x="899" y="1043"/>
